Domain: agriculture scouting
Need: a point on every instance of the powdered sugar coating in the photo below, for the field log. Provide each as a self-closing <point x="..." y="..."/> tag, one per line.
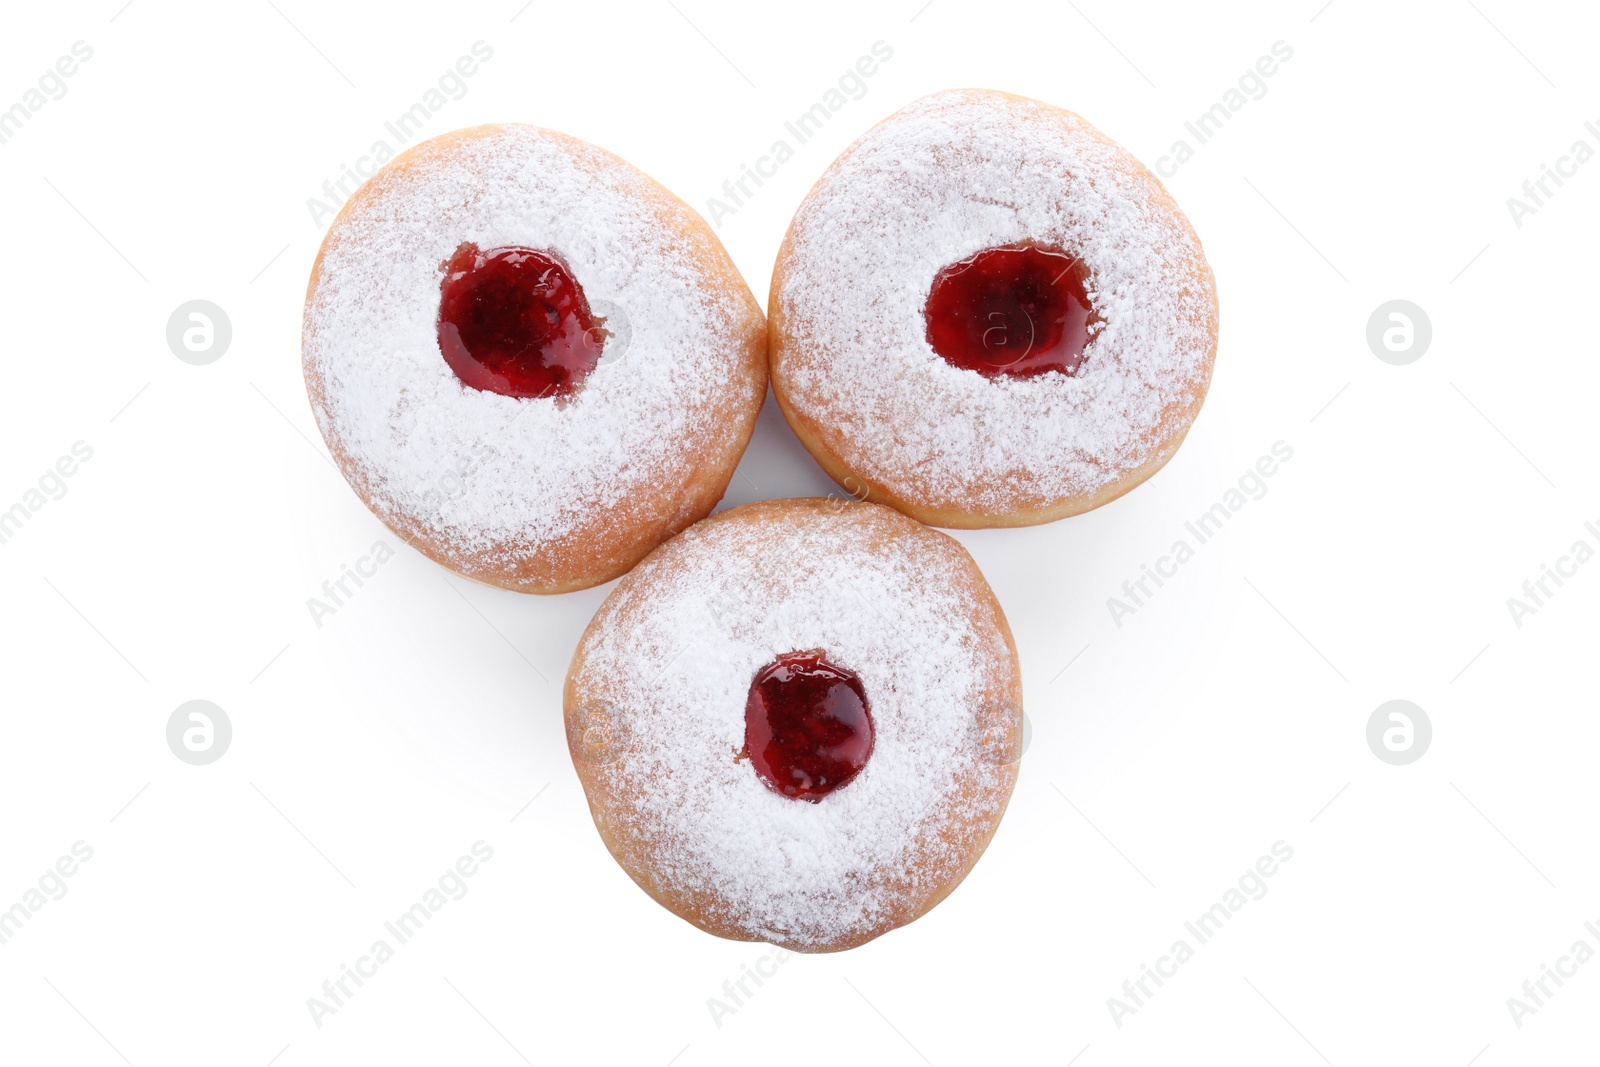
<point x="951" y="175"/>
<point x="492" y="482"/>
<point x="671" y="654"/>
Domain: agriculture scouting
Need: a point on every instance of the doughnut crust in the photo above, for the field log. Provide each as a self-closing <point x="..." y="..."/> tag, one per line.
<point x="951" y="175"/>
<point x="655" y="714"/>
<point x="532" y="494"/>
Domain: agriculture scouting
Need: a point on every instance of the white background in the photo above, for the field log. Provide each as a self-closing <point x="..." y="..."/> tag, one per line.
<point x="1168" y="753"/>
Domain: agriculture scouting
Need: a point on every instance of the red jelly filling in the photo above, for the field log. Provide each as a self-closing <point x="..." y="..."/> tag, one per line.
<point x="514" y="321"/>
<point x="1019" y="311"/>
<point x="807" y="729"/>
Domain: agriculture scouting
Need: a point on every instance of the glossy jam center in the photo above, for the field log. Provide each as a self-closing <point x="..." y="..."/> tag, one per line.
<point x="1018" y="311"/>
<point x="807" y="728"/>
<point x="514" y="321"/>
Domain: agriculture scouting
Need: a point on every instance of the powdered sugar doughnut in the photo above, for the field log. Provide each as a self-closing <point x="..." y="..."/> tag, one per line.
<point x="971" y="407"/>
<point x="547" y="460"/>
<point x="798" y="722"/>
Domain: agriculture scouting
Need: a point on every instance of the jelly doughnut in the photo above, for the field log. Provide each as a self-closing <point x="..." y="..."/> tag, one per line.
<point x="799" y="721"/>
<point x="531" y="361"/>
<point x="986" y="313"/>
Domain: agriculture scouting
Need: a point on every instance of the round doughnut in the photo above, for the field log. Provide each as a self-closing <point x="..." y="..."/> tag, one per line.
<point x="859" y="359"/>
<point x="540" y="490"/>
<point x="659" y="706"/>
